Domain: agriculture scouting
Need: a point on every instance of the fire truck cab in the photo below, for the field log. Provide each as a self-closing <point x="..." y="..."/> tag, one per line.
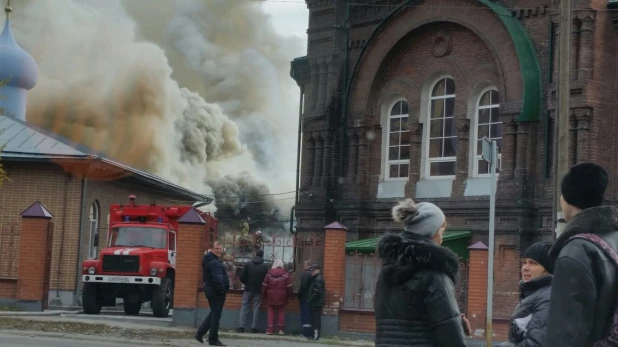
<point x="139" y="262"/>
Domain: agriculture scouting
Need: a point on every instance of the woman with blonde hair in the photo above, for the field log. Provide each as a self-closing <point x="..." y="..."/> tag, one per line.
<point x="415" y="294"/>
<point x="277" y="290"/>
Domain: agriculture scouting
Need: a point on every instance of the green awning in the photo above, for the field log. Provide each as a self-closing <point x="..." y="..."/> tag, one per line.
<point x="456" y="240"/>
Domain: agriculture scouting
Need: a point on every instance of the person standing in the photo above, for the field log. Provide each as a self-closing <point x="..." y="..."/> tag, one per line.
<point x="277" y="289"/>
<point x="252" y="275"/>
<point x="306" y="280"/>
<point x="585" y="285"/>
<point x="415" y="301"/>
<point x="528" y="322"/>
<point x="317" y="295"/>
<point x="216" y="285"/>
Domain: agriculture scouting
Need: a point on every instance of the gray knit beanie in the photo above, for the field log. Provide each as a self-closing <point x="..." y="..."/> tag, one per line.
<point x="423" y="219"/>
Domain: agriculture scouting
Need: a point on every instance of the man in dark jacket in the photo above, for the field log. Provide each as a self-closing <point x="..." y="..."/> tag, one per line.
<point x="303" y="294"/>
<point x="585" y="284"/>
<point x="216" y="285"/>
<point x="252" y="275"/>
<point x="317" y="295"/>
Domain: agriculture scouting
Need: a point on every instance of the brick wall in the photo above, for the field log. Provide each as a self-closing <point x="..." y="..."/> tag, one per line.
<point x="46" y="183"/>
<point x="355" y="321"/>
<point x="8" y="288"/>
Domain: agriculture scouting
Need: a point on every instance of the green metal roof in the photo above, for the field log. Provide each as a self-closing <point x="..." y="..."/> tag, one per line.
<point x="528" y="62"/>
<point x="369" y="245"/>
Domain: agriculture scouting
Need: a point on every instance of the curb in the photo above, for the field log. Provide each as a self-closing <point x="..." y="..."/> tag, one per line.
<point x="35" y="314"/>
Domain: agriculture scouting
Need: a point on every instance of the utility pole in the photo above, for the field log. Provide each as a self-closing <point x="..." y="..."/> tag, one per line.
<point x="561" y="138"/>
<point x="490" y="155"/>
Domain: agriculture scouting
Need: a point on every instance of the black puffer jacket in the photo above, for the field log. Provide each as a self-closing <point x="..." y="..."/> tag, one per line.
<point x="585" y="285"/>
<point x="527" y="325"/>
<point x="252" y="275"/>
<point x="415" y="294"/>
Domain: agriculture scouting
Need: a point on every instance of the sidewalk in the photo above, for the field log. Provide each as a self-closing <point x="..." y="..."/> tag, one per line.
<point x="133" y="329"/>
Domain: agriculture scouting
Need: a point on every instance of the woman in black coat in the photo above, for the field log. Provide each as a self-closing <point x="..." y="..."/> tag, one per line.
<point x="415" y="294"/>
<point x="527" y="324"/>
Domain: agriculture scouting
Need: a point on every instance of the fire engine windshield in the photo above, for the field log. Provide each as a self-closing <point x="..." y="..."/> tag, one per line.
<point x="138" y="237"/>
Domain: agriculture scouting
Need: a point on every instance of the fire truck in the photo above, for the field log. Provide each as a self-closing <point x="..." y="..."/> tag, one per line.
<point x="139" y="262"/>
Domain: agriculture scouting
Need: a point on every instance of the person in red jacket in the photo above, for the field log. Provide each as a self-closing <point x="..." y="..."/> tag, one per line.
<point x="276" y="289"/>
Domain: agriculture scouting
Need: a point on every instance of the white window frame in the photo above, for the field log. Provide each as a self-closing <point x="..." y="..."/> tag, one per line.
<point x="427" y="140"/>
<point x="386" y="142"/>
<point x="475" y="131"/>
<point x="94" y="215"/>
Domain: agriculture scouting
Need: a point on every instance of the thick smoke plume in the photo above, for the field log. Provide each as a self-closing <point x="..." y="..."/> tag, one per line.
<point x="196" y="91"/>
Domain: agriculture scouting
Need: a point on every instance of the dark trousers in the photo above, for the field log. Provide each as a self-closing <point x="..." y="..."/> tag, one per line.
<point x="305" y="318"/>
<point x="211" y="322"/>
<point x="316" y="321"/>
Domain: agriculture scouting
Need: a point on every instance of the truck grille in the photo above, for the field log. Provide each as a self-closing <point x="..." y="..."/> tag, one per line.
<point x="120" y="263"/>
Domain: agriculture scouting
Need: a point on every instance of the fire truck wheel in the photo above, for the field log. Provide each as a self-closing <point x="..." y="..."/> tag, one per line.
<point x="90" y="303"/>
<point x="161" y="301"/>
<point x="131" y="308"/>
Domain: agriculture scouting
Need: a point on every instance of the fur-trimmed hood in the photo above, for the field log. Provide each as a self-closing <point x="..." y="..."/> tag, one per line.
<point x="594" y="220"/>
<point x="404" y="256"/>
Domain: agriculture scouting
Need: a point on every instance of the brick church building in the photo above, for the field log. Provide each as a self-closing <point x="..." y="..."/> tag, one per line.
<point x="397" y="94"/>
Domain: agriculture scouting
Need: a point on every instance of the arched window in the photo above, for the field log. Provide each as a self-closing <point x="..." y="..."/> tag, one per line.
<point x="487" y="124"/>
<point x="94" y="227"/>
<point x="398" y="141"/>
<point x="442" y="134"/>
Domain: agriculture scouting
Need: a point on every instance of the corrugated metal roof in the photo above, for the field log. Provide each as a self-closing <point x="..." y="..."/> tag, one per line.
<point x="19" y="139"/>
<point x="26" y="141"/>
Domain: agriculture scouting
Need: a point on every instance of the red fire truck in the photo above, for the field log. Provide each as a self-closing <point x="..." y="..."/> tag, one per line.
<point x="139" y="262"/>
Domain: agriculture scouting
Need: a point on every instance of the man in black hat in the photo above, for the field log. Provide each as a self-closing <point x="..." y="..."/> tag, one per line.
<point x="585" y="285"/>
<point x="317" y="295"/>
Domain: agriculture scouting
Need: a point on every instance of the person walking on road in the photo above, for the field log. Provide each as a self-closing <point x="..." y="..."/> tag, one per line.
<point x="528" y="322"/>
<point x="582" y="308"/>
<point x="317" y="295"/>
<point x="216" y="285"/>
<point x="306" y="280"/>
<point x="415" y="301"/>
<point x="252" y="275"/>
<point x="277" y="289"/>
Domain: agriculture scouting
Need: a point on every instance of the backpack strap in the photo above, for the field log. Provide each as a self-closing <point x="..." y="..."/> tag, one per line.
<point x="612" y="337"/>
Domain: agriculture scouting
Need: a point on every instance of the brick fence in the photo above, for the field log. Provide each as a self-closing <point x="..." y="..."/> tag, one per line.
<point x="190" y="306"/>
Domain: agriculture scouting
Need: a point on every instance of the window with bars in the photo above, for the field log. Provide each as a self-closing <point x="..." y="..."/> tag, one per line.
<point x="488" y="124"/>
<point x="398" y="132"/>
<point x="442" y="134"/>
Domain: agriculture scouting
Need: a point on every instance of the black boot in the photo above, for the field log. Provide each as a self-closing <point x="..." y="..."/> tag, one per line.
<point x="199" y="338"/>
<point x="216" y="343"/>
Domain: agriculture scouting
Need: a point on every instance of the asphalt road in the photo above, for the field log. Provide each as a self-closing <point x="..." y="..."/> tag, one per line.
<point x="21" y="339"/>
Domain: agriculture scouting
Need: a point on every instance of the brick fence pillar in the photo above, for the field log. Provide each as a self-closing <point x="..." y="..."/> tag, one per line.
<point x="477" y="288"/>
<point x="190" y="250"/>
<point x="333" y="271"/>
<point x="34" y="258"/>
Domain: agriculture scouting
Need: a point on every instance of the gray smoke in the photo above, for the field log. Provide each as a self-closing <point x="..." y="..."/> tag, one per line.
<point x="195" y="91"/>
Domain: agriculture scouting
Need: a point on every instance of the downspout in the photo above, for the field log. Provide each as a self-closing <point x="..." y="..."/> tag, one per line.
<point x="550" y="79"/>
<point x="298" y="143"/>
<point x="344" y="104"/>
<point x="81" y="230"/>
<point x="64" y="223"/>
<point x="298" y="151"/>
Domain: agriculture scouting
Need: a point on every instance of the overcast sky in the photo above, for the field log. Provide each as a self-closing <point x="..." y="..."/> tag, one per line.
<point x="290" y="17"/>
